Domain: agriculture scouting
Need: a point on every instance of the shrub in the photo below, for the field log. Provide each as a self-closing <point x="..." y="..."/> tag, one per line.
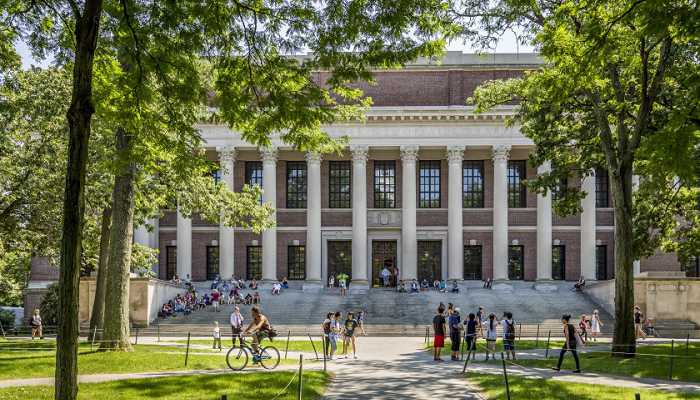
<point x="49" y="306"/>
<point x="7" y="319"/>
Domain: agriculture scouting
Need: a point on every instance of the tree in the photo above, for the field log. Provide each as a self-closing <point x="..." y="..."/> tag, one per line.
<point x="618" y="91"/>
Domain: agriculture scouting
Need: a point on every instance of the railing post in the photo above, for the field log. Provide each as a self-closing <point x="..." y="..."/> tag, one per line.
<point x="158" y="330"/>
<point x="136" y="340"/>
<point x="94" y="335"/>
<point x="2" y="329"/>
<point x="670" y="362"/>
<point x="637" y="396"/>
<point x="313" y="345"/>
<point x="687" y="341"/>
<point x="289" y="332"/>
<point x="187" y="352"/>
<point x="325" y="349"/>
<point x="546" y="351"/>
<point x="301" y="372"/>
<point x="505" y="375"/>
<point x="537" y="338"/>
<point x="466" y="361"/>
<point x="520" y="330"/>
<point x="224" y="397"/>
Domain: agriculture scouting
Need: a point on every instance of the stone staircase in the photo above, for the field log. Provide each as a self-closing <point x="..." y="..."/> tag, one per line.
<point x="537" y="307"/>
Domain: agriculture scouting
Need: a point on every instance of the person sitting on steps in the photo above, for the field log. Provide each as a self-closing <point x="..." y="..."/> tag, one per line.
<point x="580" y="284"/>
<point x="487" y="283"/>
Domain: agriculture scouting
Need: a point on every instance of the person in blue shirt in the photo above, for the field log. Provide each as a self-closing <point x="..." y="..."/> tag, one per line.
<point x="443" y="286"/>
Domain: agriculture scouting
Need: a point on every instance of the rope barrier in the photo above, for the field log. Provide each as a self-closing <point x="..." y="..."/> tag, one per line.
<point x="284" y="390"/>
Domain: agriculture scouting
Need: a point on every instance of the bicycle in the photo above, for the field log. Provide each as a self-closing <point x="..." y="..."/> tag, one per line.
<point x="237" y="357"/>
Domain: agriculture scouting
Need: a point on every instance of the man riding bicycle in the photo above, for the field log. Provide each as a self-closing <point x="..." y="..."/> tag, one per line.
<point x="259" y="329"/>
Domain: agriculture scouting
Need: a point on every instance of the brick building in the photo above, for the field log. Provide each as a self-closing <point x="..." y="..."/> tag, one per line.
<point x="425" y="184"/>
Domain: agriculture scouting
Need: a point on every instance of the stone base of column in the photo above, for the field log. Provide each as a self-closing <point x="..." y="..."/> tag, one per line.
<point x="358" y="286"/>
<point x="311" y="286"/>
<point x="502" y="285"/>
<point x="546" y="285"/>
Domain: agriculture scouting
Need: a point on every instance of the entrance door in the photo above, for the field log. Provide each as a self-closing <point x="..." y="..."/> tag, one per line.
<point x="212" y="262"/>
<point x="339" y="258"/>
<point x="429" y="260"/>
<point x="516" y="263"/>
<point x="383" y="254"/>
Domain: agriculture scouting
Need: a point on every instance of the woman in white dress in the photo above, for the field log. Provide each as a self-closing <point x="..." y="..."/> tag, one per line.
<point x="596" y="324"/>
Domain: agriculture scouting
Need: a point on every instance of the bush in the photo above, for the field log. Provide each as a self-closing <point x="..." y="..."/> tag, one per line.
<point x="49" y="306"/>
<point x="7" y="319"/>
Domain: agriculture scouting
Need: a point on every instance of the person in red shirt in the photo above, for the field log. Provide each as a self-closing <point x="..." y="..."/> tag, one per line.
<point x="439" y="329"/>
<point x="215" y="295"/>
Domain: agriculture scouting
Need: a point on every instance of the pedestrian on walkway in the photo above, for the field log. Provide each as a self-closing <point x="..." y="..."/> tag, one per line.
<point x="216" y="334"/>
<point x="361" y="321"/>
<point x="638" y="319"/>
<point x="37" y="325"/>
<point x="336" y="330"/>
<point x="480" y="317"/>
<point x="491" y="324"/>
<point x="583" y="328"/>
<point x="570" y="343"/>
<point x="350" y="326"/>
<point x="509" y="334"/>
<point x="236" y="326"/>
<point x="596" y="324"/>
<point x="439" y="330"/>
<point x="455" y="333"/>
<point x="326" y="329"/>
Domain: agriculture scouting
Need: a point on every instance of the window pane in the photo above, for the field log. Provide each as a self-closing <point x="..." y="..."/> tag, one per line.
<point x="339" y="258"/>
<point x="212" y="262"/>
<point x="296" y="262"/>
<point x="170" y="262"/>
<point x="472" y="262"/>
<point x="340" y="184"/>
<point x="296" y="184"/>
<point x="253" y="173"/>
<point x="516" y="186"/>
<point x="429" y="260"/>
<point x="558" y="263"/>
<point x="473" y="184"/>
<point x="601" y="262"/>
<point x="385" y="184"/>
<point x="601" y="188"/>
<point x="253" y="262"/>
<point x="429" y="182"/>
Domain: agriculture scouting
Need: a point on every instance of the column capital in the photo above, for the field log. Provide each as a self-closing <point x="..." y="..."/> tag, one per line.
<point x="455" y="153"/>
<point x="359" y="153"/>
<point x="269" y="154"/>
<point x="227" y="154"/>
<point x="313" y="157"/>
<point x="409" y="152"/>
<point x="501" y="152"/>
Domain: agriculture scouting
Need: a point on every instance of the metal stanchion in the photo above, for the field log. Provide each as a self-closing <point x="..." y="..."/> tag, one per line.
<point x="505" y="375"/>
<point x="464" y="369"/>
<point x="289" y="332"/>
<point x="187" y="352"/>
<point x="158" y="331"/>
<point x="325" y="350"/>
<point x="546" y="351"/>
<point x="301" y="372"/>
<point x="136" y="341"/>
<point x="2" y="329"/>
<point x="313" y="345"/>
<point x="520" y="331"/>
<point x="670" y="362"/>
<point x="537" y="337"/>
<point x="687" y="342"/>
<point x="637" y="396"/>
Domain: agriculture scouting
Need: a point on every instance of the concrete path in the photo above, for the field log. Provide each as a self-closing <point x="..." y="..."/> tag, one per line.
<point x="396" y="368"/>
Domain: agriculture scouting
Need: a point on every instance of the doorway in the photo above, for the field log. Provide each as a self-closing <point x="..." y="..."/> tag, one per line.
<point x="339" y="259"/>
<point x="429" y="260"/>
<point x="383" y="254"/>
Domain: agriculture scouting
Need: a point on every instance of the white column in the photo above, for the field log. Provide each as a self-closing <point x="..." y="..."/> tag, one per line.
<point x="637" y="264"/>
<point x="184" y="246"/>
<point x="269" y="235"/>
<point x="455" y="242"/>
<point x="227" y="158"/>
<point x="313" y="218"/>
<point x="409" y="258"/>
<point x="153" y="240"/>
<point x="359" y="216"/>
<point x="500" y="211"/>
<point x="544" y="229"/>
<point x="588" y="227"/>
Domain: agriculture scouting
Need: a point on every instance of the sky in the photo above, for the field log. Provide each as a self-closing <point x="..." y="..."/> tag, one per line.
<point x="507" y="44"/>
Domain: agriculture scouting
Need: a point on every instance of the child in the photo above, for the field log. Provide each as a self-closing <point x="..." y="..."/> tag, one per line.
<point x="491" y="325"/>
<point x="217" y="336"/>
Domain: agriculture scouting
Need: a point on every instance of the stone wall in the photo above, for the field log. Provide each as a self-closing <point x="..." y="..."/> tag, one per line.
<point x="146" y="296"/>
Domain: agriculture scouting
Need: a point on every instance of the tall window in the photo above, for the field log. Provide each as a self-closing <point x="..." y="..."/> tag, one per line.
<point x="296" y="184"/>
<point x="339" y="258"/>
<point x="253" y="173"/>
<point x="385" y="184"/>
<point x="170" y="262"/>
<point x="692" y="267"/>
<point x="516" y="185"/>
<point x="212" y="262"/>
<point x="216" y="174"/>
<point x="296" y="263"/>
<point x="473" y="184"/>
<point x="429" y="260"/>
<point x="516" y="262"/>
<point x="429" y="191"/>
<point x="558" y="263"/>
<point x="601" y="188"/>
<point x="560" y="189"/>
<point x="339" y="184"/>
<point x="601" y="262"/>
<point x="472" y="262"/>
<point x="253" y="262"/>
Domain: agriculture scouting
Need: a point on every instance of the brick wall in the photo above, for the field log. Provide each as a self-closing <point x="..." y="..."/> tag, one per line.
<point x="200" y="241"/>
<point x="241" y="241"/>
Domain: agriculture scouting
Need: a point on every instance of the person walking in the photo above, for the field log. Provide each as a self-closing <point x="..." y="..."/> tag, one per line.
<point x="470" y="333"/>
<point x="596" y="324"/>
<point x="336" y="330"/>
<point x="491" y="335"/>
<point x="638" y="319"/>
<point x="508" y="335"/>
<point x="439" y="330"/>
<point x="236" y="326"/>
<point x="583" y="328"/>
<point x="454" y="322"/>
<point x="361" y="321"/>
<point x="37" y="325"/>
<point x="385" y="275"/>
<point x="570" y="343"/>
<point x="326" y="329"/>
<point x="216" y="334"/>
<point x="350" y="326"/>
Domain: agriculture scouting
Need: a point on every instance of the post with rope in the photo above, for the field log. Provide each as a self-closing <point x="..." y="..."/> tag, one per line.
<point x="94" y="334"/>
<point x="520" y="331"/>
<point x="505" y="376"/>
<point x="546" y="351"/>
<point x="670" y="362"/>
<point x="2" y="329"/>
<point x="537" y="337"/>
<point x="687" y="342"/>
<point x="637" y="396"/>
<point x="427" y="331"/>
<point x="289" y="332"/>
<point x="466" y="361"/>
<point x="301" y="372"/>
<point x="136" y="340"/>
<point x="325" y="349"/>
<point x="158" y="330"/>
<point x="313" y="345"/>
<point x="187" y="352"/>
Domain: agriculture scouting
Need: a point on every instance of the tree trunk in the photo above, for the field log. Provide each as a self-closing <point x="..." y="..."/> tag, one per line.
<point x="98" y="307"/>
<point x="116" y="324"/>
<point x="624" y="339"/>
<point x="79" y="116"/>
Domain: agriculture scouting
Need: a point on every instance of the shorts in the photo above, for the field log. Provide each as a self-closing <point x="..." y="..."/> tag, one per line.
<point x="215" y="303"/>
<point x="508" y="345"/>
<point x="455" y="338"/>
<point x="439" y="341"/>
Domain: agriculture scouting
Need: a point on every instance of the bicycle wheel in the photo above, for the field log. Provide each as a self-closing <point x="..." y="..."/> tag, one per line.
<point x="269" y="357"/>
<point x="237" y="358"/>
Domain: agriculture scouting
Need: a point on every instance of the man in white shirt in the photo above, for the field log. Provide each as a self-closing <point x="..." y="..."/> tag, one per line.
<point x="385" y="276"/>
<point x="236" y="326"/>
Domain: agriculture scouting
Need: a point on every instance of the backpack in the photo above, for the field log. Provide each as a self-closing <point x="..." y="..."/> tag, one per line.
<point x="510" y="333"/>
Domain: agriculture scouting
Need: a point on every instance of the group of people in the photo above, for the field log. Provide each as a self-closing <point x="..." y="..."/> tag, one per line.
<point x="342" y="280"/>
<point x="336" y="329"/>
<point x="412" y="286"/>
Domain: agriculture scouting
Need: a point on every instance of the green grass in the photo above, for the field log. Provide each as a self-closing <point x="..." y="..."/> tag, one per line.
<point x="26" y="359"/>
<point x="519" y="345"/>
<point x="279" y="343"/>
<point x="493" y="387"/>
<point x="236" y="386"/>
<point x="644" y="365"/>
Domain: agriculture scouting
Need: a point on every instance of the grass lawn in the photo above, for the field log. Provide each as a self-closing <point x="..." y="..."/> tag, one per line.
<point x="279" y="343"/>
<point x="519" y="345"/>
<point x="493" y="387"/>
<point x="26" y="359"/>
<point x="644" y="365"/>
<point x="236" y="386"/>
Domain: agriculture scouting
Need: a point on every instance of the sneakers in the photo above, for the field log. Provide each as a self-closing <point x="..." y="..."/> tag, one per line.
<point x="576" y="371"/>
